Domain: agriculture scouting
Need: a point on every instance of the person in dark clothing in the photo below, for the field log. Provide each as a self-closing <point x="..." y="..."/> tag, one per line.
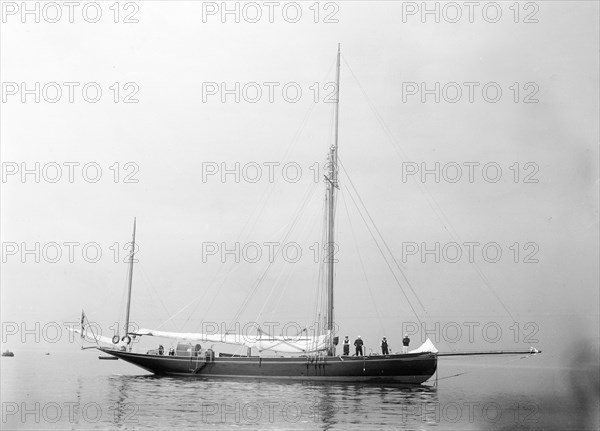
<point x="405" y="343"/>
<point x="346" y="346"/>
<point x="358" y="344"/>
<point x="161" y="349"/>
<point x="384" y="347"/>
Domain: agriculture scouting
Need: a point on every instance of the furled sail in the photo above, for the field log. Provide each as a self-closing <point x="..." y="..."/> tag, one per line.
<point x="298" y="344"/>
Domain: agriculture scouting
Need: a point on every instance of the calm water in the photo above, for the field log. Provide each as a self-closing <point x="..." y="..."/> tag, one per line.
<point x="78" y="391"/>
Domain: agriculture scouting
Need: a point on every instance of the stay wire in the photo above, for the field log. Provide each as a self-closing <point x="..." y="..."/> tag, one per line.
<point x="430" y="200"/>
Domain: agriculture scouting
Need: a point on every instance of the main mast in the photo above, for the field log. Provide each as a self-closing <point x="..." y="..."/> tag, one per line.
<point x="126" y="337"/>
<point x="331" y="186"/>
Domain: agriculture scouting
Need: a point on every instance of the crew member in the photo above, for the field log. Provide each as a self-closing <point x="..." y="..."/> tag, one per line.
<point x="358" y="344"/>
<point x="346" y="346"/>
<point x="384" y="347"/>
<point x="161" y="349"/>
<point x="405" y="343"/>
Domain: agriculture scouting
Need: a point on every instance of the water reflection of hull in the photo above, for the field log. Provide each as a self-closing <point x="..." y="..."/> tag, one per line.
<point x="412" y="368"/>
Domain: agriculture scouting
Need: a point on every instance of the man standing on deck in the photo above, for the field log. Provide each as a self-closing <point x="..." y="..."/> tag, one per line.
<point x="405" y="343"/>
<point x="358" y="343"/>
<point x="346" y="346"/>
<point x="384" y="347"/>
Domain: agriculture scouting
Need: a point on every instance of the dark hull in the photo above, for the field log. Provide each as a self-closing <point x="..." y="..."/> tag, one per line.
<point x="412" y="368"/>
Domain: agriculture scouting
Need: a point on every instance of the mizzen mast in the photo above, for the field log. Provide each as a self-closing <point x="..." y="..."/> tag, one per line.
<point x="332" y="184"/>
<point x="126" y="337"/>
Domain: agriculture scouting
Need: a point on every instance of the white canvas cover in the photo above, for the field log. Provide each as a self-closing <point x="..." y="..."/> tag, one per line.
<point x="427" y="346"/>
<point x="299" y="344"/>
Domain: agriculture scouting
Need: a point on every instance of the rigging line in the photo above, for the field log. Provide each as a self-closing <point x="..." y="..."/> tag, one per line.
<point x="309" y="228"/>
<point x="281" y="294"/>
<point x="293" y="141"/>
<point x="275" y="283"/>
<point x="387" y="247"/>
<point x="453" y="375"/>
<point x="251" y="292"/>
<point x="362" y="265"/>
<point x="196" y="299"/>
<point x="291" y="228"/>
<point x="331" y="117"/>
<point x="381" y="236"/>
<point x="336" y="232"/>
<point x="299" y="213"/>
<point x="403" y="156"/>
<point x="430" y="200"/>
<point x="145" y="275"/>
<point x="385" y="259"/>
<point x="244" y="233"/>
<point x="508" y="360"/>
<point x="320" y="275"/>
<point x="321" y="305"/>
<point x="264" y="199"/>
<point x="121" y="310"/>
<point x="269" y="191"/>
<point x="232" y="268"/>
<point x="214" y="298"/>
<point x="181" y="310"/>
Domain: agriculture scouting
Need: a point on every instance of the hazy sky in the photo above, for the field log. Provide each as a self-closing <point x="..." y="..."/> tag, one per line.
<point x="168" y="61"/>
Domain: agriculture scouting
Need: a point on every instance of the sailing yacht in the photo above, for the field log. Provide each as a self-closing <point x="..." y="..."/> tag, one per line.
<point x="306" y="357"/>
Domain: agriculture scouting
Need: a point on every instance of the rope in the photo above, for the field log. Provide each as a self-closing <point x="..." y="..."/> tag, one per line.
<point x="147" y="278"/>
<point x="381" y="237"/>
<point x="386" y="261"/>
<point x="430" y="200"/>
<point x="363" y="266"/>
<point x="299" y="212"/>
